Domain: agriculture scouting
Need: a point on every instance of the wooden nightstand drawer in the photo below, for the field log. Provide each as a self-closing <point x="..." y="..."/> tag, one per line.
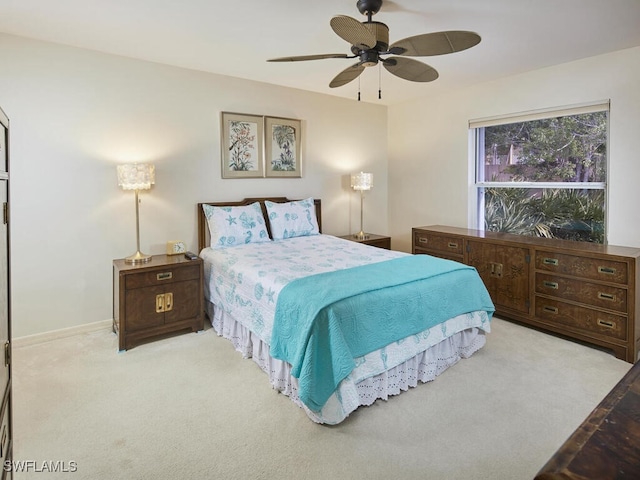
<point x="583" y="267"/>
<point x="582" y="318"/>
<point x="160" y="277"/>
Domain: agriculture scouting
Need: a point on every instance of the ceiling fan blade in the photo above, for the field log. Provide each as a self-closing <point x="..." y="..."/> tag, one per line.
<point x="347" y="75"/>
<point x="353" y="31"/>
<point x="309" y="57"/>
<point x="437" y="43"/>
<point x="410" y="69"/>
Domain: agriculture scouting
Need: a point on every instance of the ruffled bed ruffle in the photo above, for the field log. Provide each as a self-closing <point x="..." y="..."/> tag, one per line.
<point x="424" y="367"/>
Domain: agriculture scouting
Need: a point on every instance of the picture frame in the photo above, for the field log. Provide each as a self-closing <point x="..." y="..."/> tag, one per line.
<point x="242" y="145"/>
<point x="283" y="142"/>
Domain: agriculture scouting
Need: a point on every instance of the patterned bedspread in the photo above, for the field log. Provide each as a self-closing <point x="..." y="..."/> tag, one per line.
<point x="246" y="280"/>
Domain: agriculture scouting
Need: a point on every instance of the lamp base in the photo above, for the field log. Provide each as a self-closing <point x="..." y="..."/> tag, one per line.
<point x="138" y="258"/>
<point x="361" y="236"/>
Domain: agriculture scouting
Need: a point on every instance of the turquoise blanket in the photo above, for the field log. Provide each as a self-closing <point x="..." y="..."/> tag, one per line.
<point x="324" y="321"/>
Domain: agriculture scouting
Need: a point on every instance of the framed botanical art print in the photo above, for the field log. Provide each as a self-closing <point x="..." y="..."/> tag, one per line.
<point x="282" y="147"/>
<point x="242" y="137"/>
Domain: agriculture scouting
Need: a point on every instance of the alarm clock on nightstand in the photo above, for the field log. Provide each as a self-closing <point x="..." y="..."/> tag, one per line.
<point x="175" y="247"/>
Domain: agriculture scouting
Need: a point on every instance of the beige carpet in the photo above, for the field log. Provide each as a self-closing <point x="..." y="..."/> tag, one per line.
<point x="189" y="407"/>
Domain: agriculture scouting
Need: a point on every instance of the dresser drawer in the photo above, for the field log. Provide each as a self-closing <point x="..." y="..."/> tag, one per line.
<point x="583" y="318"/>
<point x="441" y="243"/>
<point x="603" y="296"/>
<point x="584" y="267"/>
<point x="161" y="277"/>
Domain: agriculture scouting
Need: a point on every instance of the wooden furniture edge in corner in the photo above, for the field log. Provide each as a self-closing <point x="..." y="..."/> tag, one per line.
<point x="604" y="446"/>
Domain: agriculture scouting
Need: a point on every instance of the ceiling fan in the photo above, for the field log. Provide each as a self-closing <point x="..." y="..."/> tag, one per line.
<point x="370" y="43"/>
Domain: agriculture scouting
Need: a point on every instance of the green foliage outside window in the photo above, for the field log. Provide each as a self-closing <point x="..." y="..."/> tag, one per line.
<point x="552" y="213"/>
<point x="561" y="151"/>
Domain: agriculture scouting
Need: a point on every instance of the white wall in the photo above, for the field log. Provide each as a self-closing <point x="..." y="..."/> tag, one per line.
<point x="75" y="114"/>
<point x="429" y="153"/>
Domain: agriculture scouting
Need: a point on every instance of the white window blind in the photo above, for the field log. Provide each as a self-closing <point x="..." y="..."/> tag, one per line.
<point x="600" y="106"/>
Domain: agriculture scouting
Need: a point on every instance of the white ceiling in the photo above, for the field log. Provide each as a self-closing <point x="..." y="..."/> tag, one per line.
<point x="237" y="37"/>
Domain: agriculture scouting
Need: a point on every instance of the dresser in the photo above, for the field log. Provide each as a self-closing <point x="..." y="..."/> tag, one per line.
<point x="156" y="298"/>
<point x="582" y="291"/>
<point x="6" y="405"/>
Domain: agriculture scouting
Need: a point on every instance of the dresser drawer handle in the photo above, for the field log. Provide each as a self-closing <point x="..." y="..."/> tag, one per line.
<point x="168" y="302"/>
<point x="605" y="323"/>
<point x="453" y="245"/>
<point x="606" y="296"/>
<point x="550" y="261"/>
<point x="164" y="276"/>
<point x="164" y="302"/>
<point x="546" y="308"/>
<point x="553" y="285"/>
<point x="607" y="270"/>
<point x="423" y="240"/>
<point x="160" y="303"/>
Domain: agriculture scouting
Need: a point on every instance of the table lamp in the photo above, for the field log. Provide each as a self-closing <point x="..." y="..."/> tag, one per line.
<point x="136" y="176"/>
<point x="361" y="182"/>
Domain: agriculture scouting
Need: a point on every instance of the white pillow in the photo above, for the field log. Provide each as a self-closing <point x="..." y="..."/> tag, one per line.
<point x="292" y="219"/>
<point x="229" y="226"/>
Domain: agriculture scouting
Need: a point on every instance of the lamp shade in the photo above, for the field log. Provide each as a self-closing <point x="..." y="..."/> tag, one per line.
<point x="136" y="176"/>
<point x="362" y="181"/>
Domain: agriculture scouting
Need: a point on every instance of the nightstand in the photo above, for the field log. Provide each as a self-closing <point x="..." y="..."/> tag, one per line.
<point x="372" y="239"/>
<point x="156" y="298"/>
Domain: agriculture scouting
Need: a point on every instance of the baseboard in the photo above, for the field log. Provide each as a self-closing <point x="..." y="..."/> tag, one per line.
<point x="62" y="333"/>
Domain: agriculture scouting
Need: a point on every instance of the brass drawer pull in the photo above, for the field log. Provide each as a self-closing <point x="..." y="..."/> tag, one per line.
<point x="553" y="285"/>
<point x="168" y="302"/>
<point x="550" y="261"/>
<point x="453" y="245"/>
<point x="496" y="269"/>
<point x="606" y="296"/>
<point x="160" y="303"/>
<point x="164" y="302"/>
<point x="164" y="276"/>
<point x="605" y="323"/>
<point x="423" y="240"/>
<point x="549" y="309"/>
<point x="607" y="270"/>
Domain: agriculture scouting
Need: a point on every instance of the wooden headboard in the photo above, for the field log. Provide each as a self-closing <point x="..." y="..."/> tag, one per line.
<point x="203" y="227"/>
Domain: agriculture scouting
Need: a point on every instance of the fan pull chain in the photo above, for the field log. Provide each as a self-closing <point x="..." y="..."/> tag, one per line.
<point x="358" y="88"/>
<point x="379" y="81"/>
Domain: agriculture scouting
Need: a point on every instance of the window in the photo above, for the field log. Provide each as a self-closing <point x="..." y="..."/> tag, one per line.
<point x="543" y="173"/>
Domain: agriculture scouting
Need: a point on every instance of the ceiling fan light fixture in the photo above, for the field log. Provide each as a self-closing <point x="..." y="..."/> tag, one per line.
<point x="369" y="58"/>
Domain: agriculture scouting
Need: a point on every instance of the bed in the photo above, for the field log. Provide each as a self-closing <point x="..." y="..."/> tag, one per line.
<point x="334" y="324"/>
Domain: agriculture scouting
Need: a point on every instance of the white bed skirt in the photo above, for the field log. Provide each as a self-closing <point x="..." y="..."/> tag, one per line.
<point x="423" y="367"/>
